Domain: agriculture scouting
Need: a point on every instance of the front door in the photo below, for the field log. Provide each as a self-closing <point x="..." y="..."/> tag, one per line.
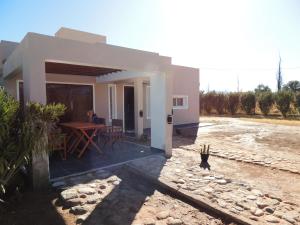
<point x="129" y="108"/>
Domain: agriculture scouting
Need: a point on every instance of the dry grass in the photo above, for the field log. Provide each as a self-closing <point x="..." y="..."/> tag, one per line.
<point x="274" y="121"/>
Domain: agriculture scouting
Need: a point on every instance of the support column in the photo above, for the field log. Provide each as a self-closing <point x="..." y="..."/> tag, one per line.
<point x="35" y="91"/>
<point x="138" y="107"/>
<point x="161" y="107"/>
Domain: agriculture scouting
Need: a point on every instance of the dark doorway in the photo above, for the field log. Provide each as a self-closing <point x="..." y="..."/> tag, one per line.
<point x="129" y="108"/>
<point x="77" y="98"/>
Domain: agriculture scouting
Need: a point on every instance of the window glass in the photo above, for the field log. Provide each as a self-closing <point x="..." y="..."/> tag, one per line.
<point x="78" y="99"/>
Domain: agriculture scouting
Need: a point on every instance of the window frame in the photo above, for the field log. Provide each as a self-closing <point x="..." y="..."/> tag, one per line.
<point x="185" y="99"/>
<point x="148" y="103"/>
<point x="114" y="102"/>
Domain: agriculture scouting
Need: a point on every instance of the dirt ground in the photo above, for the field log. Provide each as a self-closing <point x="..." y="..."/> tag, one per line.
<point x="273" y="135"/>
<point x="246" y="138"/>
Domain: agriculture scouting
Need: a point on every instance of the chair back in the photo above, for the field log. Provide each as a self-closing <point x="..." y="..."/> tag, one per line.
<point x="99" y="120"/>
<point x="117" y="122"/>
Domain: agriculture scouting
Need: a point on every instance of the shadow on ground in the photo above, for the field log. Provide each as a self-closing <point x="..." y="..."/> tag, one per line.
<point x="34" y="208"/>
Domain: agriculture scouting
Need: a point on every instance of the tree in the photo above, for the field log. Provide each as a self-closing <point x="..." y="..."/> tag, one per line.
<point x="208" y="101"/>
<point x="279" y="76"/>
<point x="298" y="101"/>
<point x="262" y="88"/>
<point x="233" y="102"/>
<point x="248" y="102"/>
<point x="293" y="86"/>
<point x="220" y="103"/>
<point x="265" y="102"/>
<point x="283" y="101"/>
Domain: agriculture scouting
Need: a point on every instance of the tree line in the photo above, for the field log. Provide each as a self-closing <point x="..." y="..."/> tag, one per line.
<point x="286" y="100"/>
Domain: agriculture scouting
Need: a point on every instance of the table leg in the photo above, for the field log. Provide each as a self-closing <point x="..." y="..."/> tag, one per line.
<point x="89" y="141"/>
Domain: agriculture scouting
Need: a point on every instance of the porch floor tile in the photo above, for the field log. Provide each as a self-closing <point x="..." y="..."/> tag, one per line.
<point x="91" y="159"/>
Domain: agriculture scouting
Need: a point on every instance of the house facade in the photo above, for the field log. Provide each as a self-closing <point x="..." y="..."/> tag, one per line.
<point x="84" y="72"/>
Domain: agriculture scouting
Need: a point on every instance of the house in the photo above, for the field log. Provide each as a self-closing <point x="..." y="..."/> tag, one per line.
<point x="84" y="72"/>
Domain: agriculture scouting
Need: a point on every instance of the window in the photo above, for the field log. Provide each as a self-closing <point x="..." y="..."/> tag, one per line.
<point x="180" y="102"/>
<point x="148" y="111"/>
<point x="112" y="102"/>
<point x="78" y="99"/>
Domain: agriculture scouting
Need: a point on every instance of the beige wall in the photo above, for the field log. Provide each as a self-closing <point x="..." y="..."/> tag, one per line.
<point x="42" y="47"/>
<point x="11" y="85"/>
<point x="77" y="35"/>
<point x="186" y="82"/>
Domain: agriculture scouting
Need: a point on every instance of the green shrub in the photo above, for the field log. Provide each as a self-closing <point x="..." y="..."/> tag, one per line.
<point x="298" y="101"/>
<point x="22" y="130"/>
<point x="233" y="102"/>
<point x="208" y="101"/>
<point x="220" y="103"/>
<point x="248" y="102"/>
<point x="261" y="89"/>
<point x="265" y="102"/>
<point x="283" y="101"/>
<point x="201" y="102"/>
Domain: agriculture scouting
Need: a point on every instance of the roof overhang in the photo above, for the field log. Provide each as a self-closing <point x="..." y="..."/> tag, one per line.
<point x="75" y="69"/>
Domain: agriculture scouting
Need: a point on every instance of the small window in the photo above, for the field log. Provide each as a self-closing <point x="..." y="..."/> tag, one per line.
<point x="180" y="102"/>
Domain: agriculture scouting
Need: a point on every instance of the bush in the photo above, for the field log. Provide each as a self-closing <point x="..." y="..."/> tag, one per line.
<point x="248" y="102"/>
<point x="22" y="130"/>
<point x="201" y="102"/>
<point x="283" y="101"/>
<point x="220" y="103"/>
<point x="261" y="89"/>
<point x="208" y="101"/>
<point x="265" y="102"/>
<point x="298" y="102"/>
<point x="233" y="102"/>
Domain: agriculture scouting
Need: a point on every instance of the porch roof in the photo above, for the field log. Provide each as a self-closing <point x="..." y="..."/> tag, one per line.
<point x="75" y="69"/>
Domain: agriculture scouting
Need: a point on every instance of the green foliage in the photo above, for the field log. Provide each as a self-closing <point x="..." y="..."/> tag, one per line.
<point x="293" y="86"/>
<point x="283" y="101"/>
<point x="233" y="102"/>
<point x="21" y="132"/>
<point x="208" y="102"/>
<point x="265" y="102"/>
<point x="220" y="103"/>
<point x="261" y="89"/>
<point x="297" y="98"/>
<point x="201" y="99"/>
<point x="248" y="102"/>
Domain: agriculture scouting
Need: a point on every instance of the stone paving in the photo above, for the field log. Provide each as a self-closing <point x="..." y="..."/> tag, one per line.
<point x="236" y="197"/>
<point x="281" y="160"/>
<point x="117" y="198"/>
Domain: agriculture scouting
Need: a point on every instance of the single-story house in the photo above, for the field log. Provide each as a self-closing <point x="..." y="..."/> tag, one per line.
<point x="84" y="72"/>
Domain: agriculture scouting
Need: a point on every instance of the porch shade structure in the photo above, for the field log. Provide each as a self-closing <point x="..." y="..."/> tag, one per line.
<point x="38" y="56"/>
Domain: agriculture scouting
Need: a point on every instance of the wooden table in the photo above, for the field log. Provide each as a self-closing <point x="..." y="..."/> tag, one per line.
<point x="83" y="132"/>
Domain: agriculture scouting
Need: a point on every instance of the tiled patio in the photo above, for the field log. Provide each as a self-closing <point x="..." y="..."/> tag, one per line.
<point x="121" y="152"/>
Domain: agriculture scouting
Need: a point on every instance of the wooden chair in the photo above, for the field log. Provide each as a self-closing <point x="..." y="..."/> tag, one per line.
<point x="113" y="133"/>
<point x="58" y="142"/>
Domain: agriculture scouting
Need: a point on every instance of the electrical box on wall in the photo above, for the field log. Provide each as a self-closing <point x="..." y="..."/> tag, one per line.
<point x="170" y="119"/>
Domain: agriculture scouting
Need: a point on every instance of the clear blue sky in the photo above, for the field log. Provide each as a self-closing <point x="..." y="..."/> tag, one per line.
<point x="225" y="39"/>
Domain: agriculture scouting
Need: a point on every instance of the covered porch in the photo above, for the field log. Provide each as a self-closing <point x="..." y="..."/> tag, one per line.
<point x="38" y="69"/>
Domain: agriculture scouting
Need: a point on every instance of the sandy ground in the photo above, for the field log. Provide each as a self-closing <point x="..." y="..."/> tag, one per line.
<point x="253" y="134"/>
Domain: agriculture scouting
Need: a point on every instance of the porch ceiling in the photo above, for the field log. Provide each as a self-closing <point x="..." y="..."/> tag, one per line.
<point x="73" y="69"/>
